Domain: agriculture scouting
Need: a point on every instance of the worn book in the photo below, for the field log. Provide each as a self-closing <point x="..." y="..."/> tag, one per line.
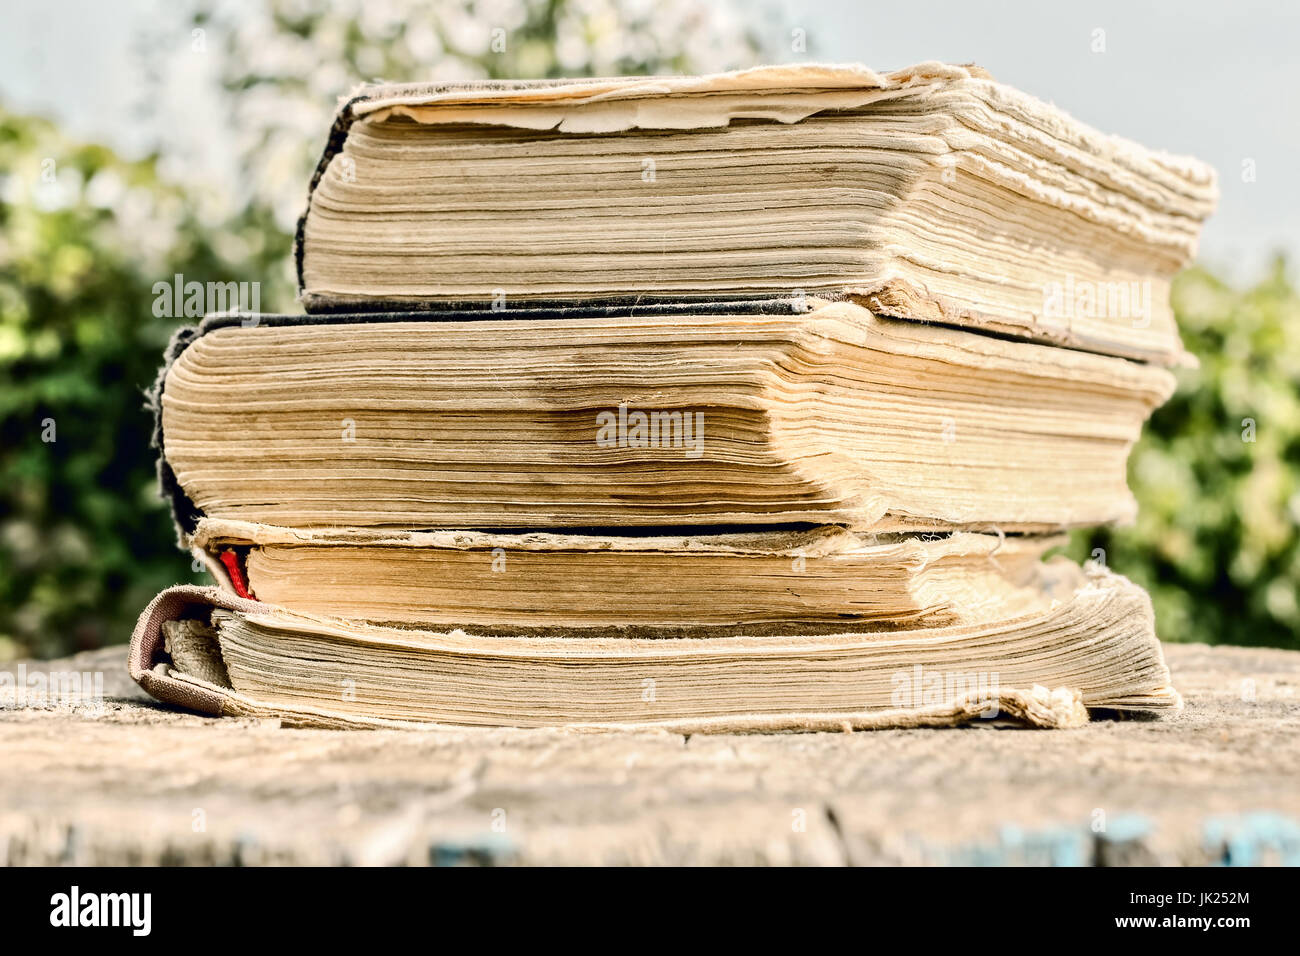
<point x="929" y="193"/>
<point x="792" y="581"/>
<point x="1089" y="646"/>
<point x="687" y="418"/>
<point x="747" y="402"/>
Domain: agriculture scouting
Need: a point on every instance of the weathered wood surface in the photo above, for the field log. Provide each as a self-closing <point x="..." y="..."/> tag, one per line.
<point x="132" y="782"/>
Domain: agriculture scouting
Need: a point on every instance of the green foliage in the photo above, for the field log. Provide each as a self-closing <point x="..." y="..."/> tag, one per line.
<point x="84" y="540"/>
<point x="1217" y="473"/>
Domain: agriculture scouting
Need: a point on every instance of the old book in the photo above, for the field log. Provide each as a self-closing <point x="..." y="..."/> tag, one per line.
<point x="680" y="419"/>
<point x="802" y="581"/>
<point x="928" y="193"/>
<point x="216" y="653"/>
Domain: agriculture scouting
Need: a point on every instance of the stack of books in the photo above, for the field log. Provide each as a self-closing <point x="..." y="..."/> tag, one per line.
<point x="743" y="402"/>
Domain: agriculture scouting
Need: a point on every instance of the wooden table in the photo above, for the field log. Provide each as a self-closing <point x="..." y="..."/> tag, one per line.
<point x="132" y="782"/>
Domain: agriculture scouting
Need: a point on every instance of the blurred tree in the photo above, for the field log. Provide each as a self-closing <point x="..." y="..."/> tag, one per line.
<point x="84" y="540"/>
<point x="1217" y="473"/>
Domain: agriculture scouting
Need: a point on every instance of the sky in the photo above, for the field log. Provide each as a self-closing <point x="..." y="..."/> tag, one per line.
<point x="1217" y="80"/>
